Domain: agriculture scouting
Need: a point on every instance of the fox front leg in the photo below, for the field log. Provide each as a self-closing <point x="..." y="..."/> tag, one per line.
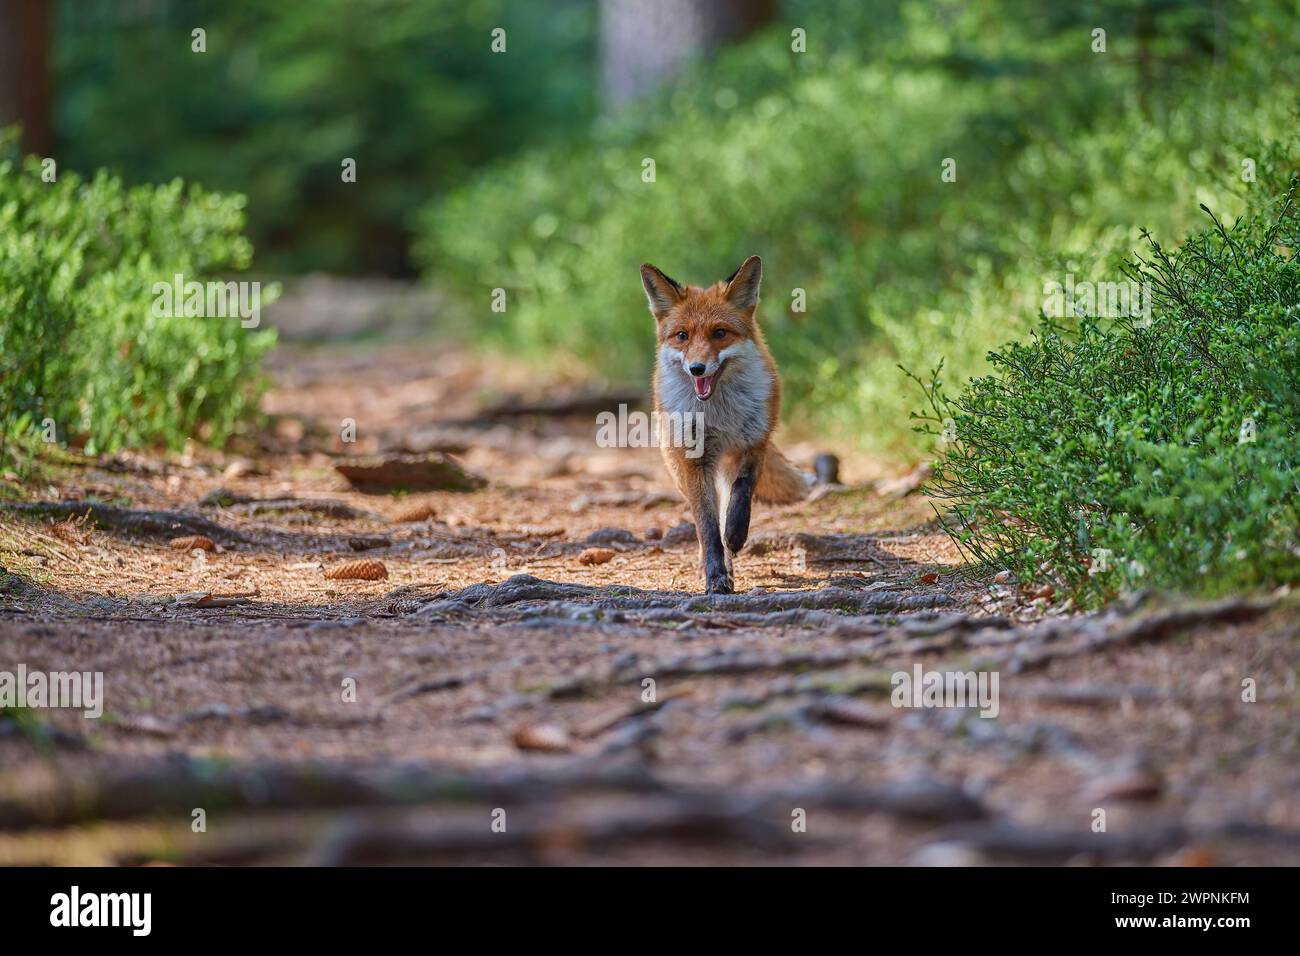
<point x="704" y="509"/>
<point x="740" y="501"/>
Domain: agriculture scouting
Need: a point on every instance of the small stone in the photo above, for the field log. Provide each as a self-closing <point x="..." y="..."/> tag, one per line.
<point x="680" y="534"/>
<point x="827" y="468"/>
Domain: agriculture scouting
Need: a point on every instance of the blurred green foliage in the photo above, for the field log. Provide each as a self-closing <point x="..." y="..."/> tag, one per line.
<point x="80" y="345"/>
<point x="828" y="164"/>
<point x="287" y="91"/>
<point x="1117" y="455"/>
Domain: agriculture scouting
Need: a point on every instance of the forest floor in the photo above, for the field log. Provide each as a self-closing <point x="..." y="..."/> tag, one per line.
<point x="487" y="700"/>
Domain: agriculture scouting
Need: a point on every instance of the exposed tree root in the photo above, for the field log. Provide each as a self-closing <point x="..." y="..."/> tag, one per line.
<point x="145" y="523"/>
<point x="759" y="821"/>
<point x="175" y="787"/>
<point x="698" y="822"/>
<point x="538" y="594"/>
<point x="251" y="505"/>
<point x="1054" y="640"/>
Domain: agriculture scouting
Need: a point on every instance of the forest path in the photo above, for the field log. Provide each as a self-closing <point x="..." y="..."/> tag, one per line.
<point x="495" y="669"/>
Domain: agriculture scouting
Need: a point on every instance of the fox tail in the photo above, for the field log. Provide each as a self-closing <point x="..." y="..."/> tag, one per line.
<point x="781" y="483"/>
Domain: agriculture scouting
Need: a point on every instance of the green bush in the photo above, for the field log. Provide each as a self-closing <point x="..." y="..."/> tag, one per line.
<point x="828" y="164"/>
<point x="80" y="345"/>
<point x="1118" y="455"/>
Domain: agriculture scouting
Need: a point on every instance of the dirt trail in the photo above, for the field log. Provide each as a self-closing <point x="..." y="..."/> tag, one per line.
<point x="497" y="675"/>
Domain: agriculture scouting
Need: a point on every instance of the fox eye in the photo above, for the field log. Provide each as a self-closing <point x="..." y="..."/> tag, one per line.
<point x="719" y="333"/>
<point x="682" y="336"/>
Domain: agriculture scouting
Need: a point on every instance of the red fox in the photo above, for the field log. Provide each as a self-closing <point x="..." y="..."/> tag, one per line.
<point x="714" y="364"/>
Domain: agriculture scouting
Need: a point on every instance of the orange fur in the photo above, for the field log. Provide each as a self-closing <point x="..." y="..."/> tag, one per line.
<point x="713" y="363"/>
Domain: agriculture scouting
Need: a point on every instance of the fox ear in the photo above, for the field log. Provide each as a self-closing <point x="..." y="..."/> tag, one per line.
<point x="742" y="285"/>
<point x="662" y="292"/>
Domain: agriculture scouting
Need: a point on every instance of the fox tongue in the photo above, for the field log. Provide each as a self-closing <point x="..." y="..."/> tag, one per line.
<point x="704" y="386"/>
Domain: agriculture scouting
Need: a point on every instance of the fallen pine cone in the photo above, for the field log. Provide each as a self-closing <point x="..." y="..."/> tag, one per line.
<point x="596" y="556"/>
<point x="551" y="738"/>
<point x="359" y="570"/>
<point x="191" y="542"/>
<point x="420" y="511"/>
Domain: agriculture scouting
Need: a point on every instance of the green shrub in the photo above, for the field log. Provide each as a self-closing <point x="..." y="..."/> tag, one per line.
<point x="828" y="164"/>
<point x="80" y="345"/>
<point x="1124" y="454"/>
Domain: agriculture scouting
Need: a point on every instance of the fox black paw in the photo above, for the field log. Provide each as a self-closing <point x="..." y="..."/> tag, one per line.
<point x="719" y="585"/>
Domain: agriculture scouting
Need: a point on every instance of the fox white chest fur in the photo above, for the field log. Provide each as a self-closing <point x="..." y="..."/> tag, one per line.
<point x="736" y="416"/>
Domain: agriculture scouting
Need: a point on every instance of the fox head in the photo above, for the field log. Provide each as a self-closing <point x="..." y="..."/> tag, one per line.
<point x="706" y="334"/>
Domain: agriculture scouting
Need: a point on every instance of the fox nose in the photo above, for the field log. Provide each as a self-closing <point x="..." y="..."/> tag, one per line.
<point x="697" y="369"/>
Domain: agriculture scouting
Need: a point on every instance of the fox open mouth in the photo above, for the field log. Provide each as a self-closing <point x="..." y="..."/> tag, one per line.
<point x="704" y="386"/>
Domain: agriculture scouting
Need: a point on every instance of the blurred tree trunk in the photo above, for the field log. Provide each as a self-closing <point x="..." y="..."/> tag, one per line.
<point x="25" y="29"/>
<point x="645" y="42"/>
